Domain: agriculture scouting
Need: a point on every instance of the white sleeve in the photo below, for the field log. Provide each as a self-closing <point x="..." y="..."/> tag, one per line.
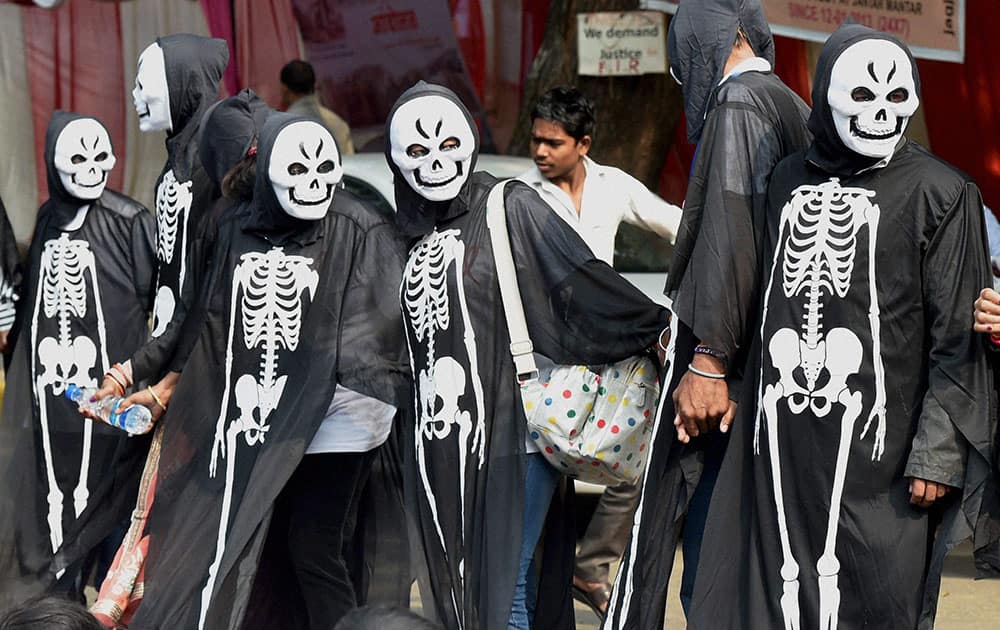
<point x="646" y="210"/>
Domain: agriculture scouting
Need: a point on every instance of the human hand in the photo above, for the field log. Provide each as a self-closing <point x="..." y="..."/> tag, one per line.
<point x="987" y="312"/>
<point x="3" y="340"/>
<point x="924" y="493"/>
<point x="109" y="387"/>
<point x="157" y="404"/>
<point x="702" y="403"/>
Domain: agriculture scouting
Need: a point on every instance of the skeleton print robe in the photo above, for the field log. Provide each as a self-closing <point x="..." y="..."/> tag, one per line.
<point x="743" y="128"/>
<point x="293" y="308"/>
<point x="470" y="432"/>
<point x="87" y="297"/>
<point x="864" y="373"/>
<point x="184" y="192"/>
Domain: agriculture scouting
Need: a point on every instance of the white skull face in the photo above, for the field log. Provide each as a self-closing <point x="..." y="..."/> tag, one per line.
<point x="432" y="144"/>
<point x="83" y="158"/>
<point x="872" y="96"/>
<point x="304" y="169"/>
<point x="150" y="95"/>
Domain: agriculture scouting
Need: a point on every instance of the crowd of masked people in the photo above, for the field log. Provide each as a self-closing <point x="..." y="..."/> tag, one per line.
<point x="344" y="403"/>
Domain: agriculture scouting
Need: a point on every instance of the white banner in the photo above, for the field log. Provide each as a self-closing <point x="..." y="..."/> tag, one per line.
<point x="621" y="44"/>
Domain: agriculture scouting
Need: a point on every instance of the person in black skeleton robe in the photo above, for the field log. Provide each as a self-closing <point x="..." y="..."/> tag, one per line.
<point x="88" y="295"/>
<point x="469" y="439"/>
<point x="228" y="136"/>
<point x="301" y="298"/>
<point x="10" y="278"/>
<point x="177" y="79"/>
<point x="744" y="121"/>
<point x="862" y="449"/>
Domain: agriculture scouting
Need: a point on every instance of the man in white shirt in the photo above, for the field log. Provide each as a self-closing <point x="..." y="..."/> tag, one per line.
<point x="594" y="200"/>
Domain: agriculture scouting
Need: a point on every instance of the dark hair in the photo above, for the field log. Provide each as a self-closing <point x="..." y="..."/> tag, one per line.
<point x="238" y="182"/>
<point x="48" y="613"/>
<point x="570" y="108"/>
<point x="299" y="77"/>
<point x="384" y="618"/>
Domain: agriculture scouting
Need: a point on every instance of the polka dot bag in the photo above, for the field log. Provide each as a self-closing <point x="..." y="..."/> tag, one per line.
<point x="592" y="426"/>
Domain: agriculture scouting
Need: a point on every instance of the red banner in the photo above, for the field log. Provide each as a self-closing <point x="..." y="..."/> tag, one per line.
<point x="367" y="53"/>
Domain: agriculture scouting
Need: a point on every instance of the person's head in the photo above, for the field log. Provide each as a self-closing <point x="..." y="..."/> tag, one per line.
<point x="865" y="92"/>
<point x="384" y="618"/>
<point x="48" y="613"/>
<point x="78" y="155"/>
<point x="562" y="129"/>
<point x="297" y="80"/>
<point x="704" y="37"/>
<point x="176" y="78"/>
<point x="228" y="143"/>
<point x="298" y="165"/>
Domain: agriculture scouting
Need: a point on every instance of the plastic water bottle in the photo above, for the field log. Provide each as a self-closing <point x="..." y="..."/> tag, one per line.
<point x="135" y="420"/>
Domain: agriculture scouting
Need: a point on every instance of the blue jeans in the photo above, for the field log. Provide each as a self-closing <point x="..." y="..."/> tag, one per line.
<point x="539" y="486"/>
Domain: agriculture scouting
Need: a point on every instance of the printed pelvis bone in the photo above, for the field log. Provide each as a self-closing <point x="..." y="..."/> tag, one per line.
<point x="447" y="384"/>
<point x="819" y="232"/>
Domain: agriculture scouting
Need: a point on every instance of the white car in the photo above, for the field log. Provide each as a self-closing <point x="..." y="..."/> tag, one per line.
<point x="368" y="177"/>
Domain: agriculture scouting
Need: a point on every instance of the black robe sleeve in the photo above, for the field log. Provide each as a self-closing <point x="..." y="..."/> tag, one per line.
<point x="953" y="416"/>
<point x="715" y="293"/>
<point x="372" y="349"/>
<point x="579" y="310"/>
<point x="10" y="272"/>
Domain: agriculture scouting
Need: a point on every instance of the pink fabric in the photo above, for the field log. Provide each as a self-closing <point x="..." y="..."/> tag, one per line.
<point x="267" y="38"/>
<point x="74" y="61"/>
<point x="219" y="17"/>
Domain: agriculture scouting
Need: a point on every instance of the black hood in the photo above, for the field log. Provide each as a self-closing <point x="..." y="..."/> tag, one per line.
<point x="227" y="131"/>
<point x="194" y="66"/>
<point x="415" y="215"/>
<point x="61" y="206"/>
<point x="699" y="42"/>
<point x="828" y="151"/>
<point x="265" y="215"/>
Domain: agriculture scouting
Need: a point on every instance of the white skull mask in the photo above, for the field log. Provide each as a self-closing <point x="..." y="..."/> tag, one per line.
<point x="432" y="144"/>
<point x="150" y="95"/>
<point x="304" y="169"/>
<point x="83" y="158"/>
<point x="872" y="96"/>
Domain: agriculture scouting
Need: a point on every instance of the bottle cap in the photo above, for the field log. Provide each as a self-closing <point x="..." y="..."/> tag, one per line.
<point x="71" y="390"/>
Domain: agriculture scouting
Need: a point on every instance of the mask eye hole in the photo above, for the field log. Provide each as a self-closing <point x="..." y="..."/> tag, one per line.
<point x="297" y="168"/>
<point x="862" y="95"/>
<point x="899" y="95"/>
<point x="325" y="167"/>
<point x="416" y="151"/>
<point x="78" y="159"/>
<point x="103" y="155"/>
<point x="450" y="144"/>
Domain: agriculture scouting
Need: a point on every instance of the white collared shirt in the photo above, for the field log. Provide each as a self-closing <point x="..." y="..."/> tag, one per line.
<point x="610" y="196"/>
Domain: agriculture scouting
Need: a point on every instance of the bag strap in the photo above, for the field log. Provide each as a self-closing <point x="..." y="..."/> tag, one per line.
<point x="521" y="348"/>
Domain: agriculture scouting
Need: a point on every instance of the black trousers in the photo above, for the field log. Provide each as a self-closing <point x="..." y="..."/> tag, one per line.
<point x="320" y="503"/>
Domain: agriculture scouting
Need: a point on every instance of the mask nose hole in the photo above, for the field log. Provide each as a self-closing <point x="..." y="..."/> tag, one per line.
<point x="314" y="184"/>
<point x="436" y="165"/>
<point x="881" y="116"/>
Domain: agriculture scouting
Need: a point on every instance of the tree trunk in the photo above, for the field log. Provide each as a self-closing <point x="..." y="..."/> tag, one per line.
<point x="635" y="119"/>
<point x="635" y="115"/>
